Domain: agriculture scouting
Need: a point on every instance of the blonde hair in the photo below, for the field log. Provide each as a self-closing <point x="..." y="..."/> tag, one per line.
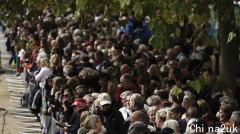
<point x="173" y="124"/>
<point x="59" y="62"/>
<point x="156" y="69"/>
<point x="53" y="44"/>
<point x="83" y="117"/>
<point x="88" y="98"/>
<point x="95" y="95"/>
<point x="163" y="115"/>
<point x="204" y="106"/>
<point x="90" y="121"/>
<point x="46" y="61"/>
<point x="152" y="108"/>
<point x="88" y="73"/>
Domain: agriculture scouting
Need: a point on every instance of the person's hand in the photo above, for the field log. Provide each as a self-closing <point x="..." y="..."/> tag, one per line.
<point x="49" y="110"/>
<point x="64" y="129"/>
<point x="64" y="106"/>
<point x="119" y="85"/>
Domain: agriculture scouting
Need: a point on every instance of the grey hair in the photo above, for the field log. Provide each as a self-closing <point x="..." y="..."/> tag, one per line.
<point x="153" y="100"/>
<point x="77" y="32"/>
<point x="236" y="117"/>
<point x="68" y="69"/>
<point x="229" y="100"/>
<point x="143" y="47"/>
<point x="138" y="99"/>
<point x="152" y="108"/>
<point x="78" y="39"/>
<point x="190" y="96"/>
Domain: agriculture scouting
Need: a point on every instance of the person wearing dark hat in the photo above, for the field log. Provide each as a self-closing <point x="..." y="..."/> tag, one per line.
<point x="79" y="106"/>
<point x="111" y="119"/>
<point x="103" y="81"/>
<point x="67" y="53"/>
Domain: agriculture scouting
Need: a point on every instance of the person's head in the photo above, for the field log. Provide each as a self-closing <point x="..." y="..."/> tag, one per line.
<point x="138" y="128"/>
<point x="188" y="99"/>
<point x="125" y="68"/>
<point x="225" y="112"/>
<point x="203" y="104"/>
<point x="79" y="104"/>
<point x="210" y="119"/>
<point x="152" y="113"/>
<point x="67" y="70"/>
<point x="57" y="82"/>
<point x="103" y="79"/>
<point x="153" y="101"/>
<point x="99" y="56"/>
<point x="105" y="101"/>
<point x="55" y="61"/>
<point x="81" y="91"/>
<point x="170" y="54"/>
<point x="84" y="58"/>
<point x="163" y="95"/>
<point x="138" y="116"/>
<point x="192" y="112"/>
<point x="173" y="73"/>
<point x="235" y="119"/>
<point x="142" y="48"/>
<point x="229" y="101"/>
<point x="173" y="124"/>
<point x="126" y="80"/>
<point x="117" y="50"/>
<point x="44" y="62"/>
<point x="217" y="89"/>
<point x="83" y="116"/>
<point x="139" y="62"/>
<point x="68" y="95"/>
<point x="136" y="101"/>
<point x="123" y="97"/>
<point x="177" y="49"/>
<point x="127" y="53"/>
<point x="173" y="64"/>
<point x="89" y="99"/>
<point x="93" y="122"/>
<point x="49" y="82"/>
<point x="155" y="70"/>
<point x="161" y="117"/>
<point x="67" y="51"/>
<point x="176" y="112"/>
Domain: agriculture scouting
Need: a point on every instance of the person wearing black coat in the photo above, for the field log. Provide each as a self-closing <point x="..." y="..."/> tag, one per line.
<point x="79" y="106"/>
<point x="111" y="119"/>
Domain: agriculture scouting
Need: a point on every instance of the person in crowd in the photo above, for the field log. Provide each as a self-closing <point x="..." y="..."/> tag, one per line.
<point x="126" y="112"/>
<point x="136" y="103"/>
<point x="44" y="72"/>
<point x="126" y="84"/>
<point x="81" y="91"/>
<point x="164" y="99"/>
<point x="138" y="128"/>
<point x="56" y="65"/>
<point x="111" y="119"/>
<point x="234" y="122"/>
<point x="93" y="124"/>
<point x="204" y="106"/>
<point x="152" y="113"/>
<point x="154" y="101"/>
<point x="101" y="61"/>
<point x="173" y="124"/>
<point x="176" y="112"/>
<point x="237" y="90"/>
<point x="224" y="114"/>
<point x="214" y="102"/>
<point x="161" y="117"/>
<point x="79" y="106"/>
<point x="178" y="52"/>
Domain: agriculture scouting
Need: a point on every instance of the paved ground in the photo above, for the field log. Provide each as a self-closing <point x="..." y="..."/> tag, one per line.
<point x="11" y="126"/>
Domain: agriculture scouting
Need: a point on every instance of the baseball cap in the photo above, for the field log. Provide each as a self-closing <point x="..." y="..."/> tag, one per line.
<point x="104" y="99"/>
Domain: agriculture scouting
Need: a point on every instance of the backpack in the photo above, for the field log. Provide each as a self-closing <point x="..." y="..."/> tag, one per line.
<point x="24" y="100"/>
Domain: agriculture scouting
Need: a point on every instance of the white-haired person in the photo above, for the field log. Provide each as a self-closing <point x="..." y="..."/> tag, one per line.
<point x="173" y="124"/>
<point x="126" y="112"/>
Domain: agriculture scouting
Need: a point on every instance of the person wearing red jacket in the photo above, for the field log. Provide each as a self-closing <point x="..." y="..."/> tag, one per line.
<point x="126" y="84"/>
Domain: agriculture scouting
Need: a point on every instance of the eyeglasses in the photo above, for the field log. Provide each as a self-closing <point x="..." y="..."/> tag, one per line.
<point x="65" y="95"/>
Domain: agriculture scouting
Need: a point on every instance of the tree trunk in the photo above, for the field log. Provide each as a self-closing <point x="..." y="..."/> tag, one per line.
<point x="169" y="41"/>
<point x="229" y="51"/>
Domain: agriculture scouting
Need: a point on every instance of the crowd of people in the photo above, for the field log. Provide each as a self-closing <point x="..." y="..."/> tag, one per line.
<point x="117" y="84"/>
